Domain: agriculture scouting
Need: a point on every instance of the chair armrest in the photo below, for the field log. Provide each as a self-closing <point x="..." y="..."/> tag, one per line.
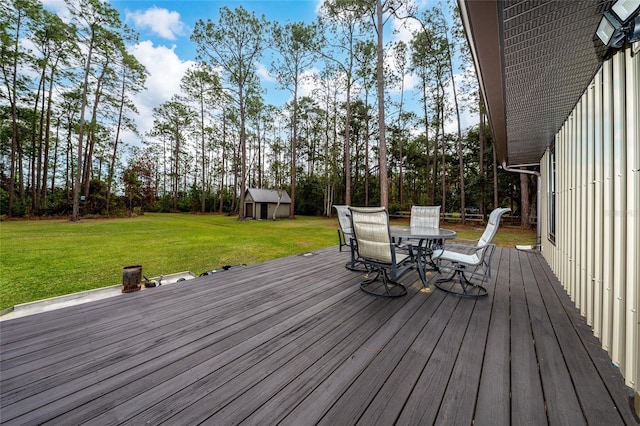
<point x="460" y="248"/>
<point x="463" y="239"/>
<point x="465" y="255"/>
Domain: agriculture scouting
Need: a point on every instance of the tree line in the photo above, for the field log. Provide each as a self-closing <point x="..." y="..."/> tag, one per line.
<point x="67" y="95"/>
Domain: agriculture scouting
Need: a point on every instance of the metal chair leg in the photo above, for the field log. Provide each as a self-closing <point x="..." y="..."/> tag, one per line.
<point x="467" y="287"/>
<point x="392" y="288"/>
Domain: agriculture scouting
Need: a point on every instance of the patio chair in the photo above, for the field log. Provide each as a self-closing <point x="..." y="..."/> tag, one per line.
<point x="345" y="232"/>
<point x="469" y="261"/>
<point x="425" y="216"/>
<point x="346" y="238"/>
<point x="377" y="251"/>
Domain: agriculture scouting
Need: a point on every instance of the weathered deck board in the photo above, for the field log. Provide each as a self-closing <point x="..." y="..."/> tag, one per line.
<point x="294" y="341"/>
<point x="493" y="405"/>
<point x="526" y="388"/>
<point x="562" y="404"/>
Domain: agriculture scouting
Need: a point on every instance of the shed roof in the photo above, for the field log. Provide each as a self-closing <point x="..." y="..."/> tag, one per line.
<point x="268" y="195"/>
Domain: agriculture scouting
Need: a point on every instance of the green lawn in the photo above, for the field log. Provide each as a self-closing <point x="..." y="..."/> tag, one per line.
<point x="46" y="258"/>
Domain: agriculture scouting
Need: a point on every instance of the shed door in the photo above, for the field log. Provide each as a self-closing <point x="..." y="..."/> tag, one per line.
<point x="248" y="210"/>
<point x="264" y="212"/>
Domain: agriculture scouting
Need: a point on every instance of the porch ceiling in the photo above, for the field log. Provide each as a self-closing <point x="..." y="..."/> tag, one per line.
<point x="534" y="60"/>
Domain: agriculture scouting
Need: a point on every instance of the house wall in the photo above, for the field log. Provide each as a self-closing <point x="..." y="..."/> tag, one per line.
<point x="596" y="252"/>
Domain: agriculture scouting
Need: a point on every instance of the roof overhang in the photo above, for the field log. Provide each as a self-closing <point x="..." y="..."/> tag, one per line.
<point x="534" y="60"/>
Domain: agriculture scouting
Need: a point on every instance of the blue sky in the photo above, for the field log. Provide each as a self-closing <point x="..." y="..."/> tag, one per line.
<point x="167" y="21"/>
<point x="166" y="51"/>
<point x="165" y="28"/>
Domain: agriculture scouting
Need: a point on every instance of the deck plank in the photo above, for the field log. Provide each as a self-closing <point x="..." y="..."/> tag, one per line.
<point x="596" y="402"/>
<point x="527" y="399"/>
<point x="610" y="375"/>
<point x="389" y="401"/>
<point x="72" y="342"/>
<point x="183" y="350"/>
<point x="493" y="405"/>
<point x="236" y="368"/>
<point x="297" y="381"/>
<point x="294" y="341"/>
<point x="436" y="375"/>
<point x="313" y="407"/>
<point x="455" y="408"/>
<point x="562" y="404"/>
<point x="355" y="400"/>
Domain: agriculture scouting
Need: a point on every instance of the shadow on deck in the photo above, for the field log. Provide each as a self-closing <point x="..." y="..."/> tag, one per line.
<point x="295" y="341"/>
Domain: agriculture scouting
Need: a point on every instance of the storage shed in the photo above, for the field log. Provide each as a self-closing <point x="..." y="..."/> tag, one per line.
<point x="262" y="203"/>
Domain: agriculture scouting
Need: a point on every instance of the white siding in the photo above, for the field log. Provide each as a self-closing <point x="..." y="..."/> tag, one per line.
<point x="632" y="297"/>
<point x="596" y="253"/>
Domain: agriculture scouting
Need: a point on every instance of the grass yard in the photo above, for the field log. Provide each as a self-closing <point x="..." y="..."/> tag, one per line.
<point x="47" y="258"/>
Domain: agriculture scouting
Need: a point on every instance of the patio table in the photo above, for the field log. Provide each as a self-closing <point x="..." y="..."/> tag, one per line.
<point x="423" y="239"/>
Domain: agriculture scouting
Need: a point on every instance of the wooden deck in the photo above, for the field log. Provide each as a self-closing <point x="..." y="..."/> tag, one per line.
<point x="294" y="341"/>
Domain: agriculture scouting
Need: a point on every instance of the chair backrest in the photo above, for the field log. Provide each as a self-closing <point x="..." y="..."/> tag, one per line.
<point x="492" y="226"/>
<point x="371" y="229"/>
<point x="344" y="219"/>
<point x="425" y="216"/>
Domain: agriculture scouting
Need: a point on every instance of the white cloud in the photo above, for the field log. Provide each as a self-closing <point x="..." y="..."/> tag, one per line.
<point x="162" y="22"/>
<point x="403" y="29"/>
<point x="309" y="82"/>
<point x="263" y="73"/>
<point x="468" y="118"/>
<point x="318" y="7"/>
<point x="165" y="70"/>
<point x="59" y="8"/>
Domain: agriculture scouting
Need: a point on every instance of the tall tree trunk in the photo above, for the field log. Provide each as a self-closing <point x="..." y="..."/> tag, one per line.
<point x="347" y="144"/>
<point x="91" y="139"/>
<point x="294" y="155"/>
<point x="328" y="202"/>
<point x="496" y="200"/>
<point x="176" y="169"/>
<point x="400" y="136"/>
<point x="13" y="100"/>
<point x="367" y="167"/>
<point x="76" y="187"/>
<point x="47" y="137"/>
<point x="69" y="176"/>
<point x="443" y="172"/>
<point x="222" y="159"/>
<point x="525" y="221"/>
<point x="243" y="154"/>
<point x="483" y="171"/>
<point x="203" y="204"/>
<point x="459" y="141"/>
<point x="114" y="153"/>
<point x="55" y="156"/>
<point x="382" y="144"/>
<point x="21" y="179"/>
<point x="41" y="150"/>
<point x="260" y="136"/>
<point x="436" y="152"/>
<point x="426" y="145"/>
<point x="234" y="198"/>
